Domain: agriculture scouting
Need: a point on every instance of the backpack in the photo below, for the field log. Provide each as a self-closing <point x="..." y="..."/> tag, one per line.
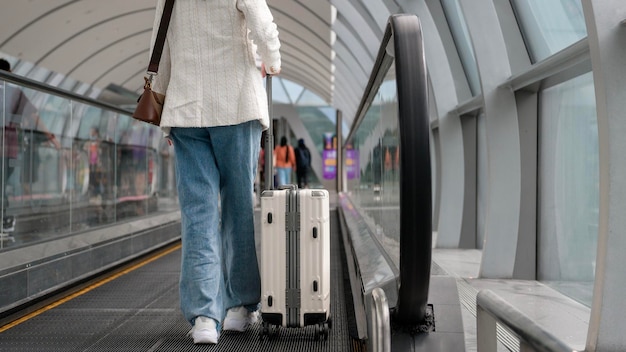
<point x="304" y="157"/>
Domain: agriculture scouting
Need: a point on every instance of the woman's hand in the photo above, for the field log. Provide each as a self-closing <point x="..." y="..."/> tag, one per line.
<point x="273" y="71"/>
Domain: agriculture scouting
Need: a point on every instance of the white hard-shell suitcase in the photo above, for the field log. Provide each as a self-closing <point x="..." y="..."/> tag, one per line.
<point x="295" y="254"/>
<point x="295" y="258"/>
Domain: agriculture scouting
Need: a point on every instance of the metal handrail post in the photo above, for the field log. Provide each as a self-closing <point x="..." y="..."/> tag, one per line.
<point x="379" y="322"/>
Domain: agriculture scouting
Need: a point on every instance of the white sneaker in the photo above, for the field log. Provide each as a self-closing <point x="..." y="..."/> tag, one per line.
<point x="204" y="331"/>
<point x="239" y="318"/>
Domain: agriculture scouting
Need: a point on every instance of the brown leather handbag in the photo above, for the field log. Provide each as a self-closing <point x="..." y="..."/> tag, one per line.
<point x="150" y="104"/>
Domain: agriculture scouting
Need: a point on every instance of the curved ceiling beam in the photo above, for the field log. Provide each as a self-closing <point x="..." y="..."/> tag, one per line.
<point x="92" y="40"/>
<point x="43" y="14"/>
<point x="108" y="46"/>
<point x="37" y="39"/>
<point x="88" y="29"/>
<point x="117" y="65"/>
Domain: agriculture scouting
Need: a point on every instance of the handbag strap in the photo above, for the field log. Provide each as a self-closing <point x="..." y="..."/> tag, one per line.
<point x="153" y="67"/>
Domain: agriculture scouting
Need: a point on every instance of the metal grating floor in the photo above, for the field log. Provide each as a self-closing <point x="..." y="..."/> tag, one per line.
<point x="139" y="311"/>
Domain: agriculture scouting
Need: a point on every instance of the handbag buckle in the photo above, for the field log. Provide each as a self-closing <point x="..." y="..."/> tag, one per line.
<point x="148" y="79"/>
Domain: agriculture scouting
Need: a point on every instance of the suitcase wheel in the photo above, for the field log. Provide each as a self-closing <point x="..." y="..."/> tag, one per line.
<point x="267" y="331"/>
<point x="321" y="331"/>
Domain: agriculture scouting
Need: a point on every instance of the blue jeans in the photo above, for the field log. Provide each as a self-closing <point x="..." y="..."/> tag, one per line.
<point x="215" y="170"/>
<point x="284" y="175"/>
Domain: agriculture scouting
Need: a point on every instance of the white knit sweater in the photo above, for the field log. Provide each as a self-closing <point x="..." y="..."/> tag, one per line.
<point x="207" y="70"/>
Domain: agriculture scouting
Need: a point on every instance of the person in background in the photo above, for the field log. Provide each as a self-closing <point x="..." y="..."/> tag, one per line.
<point x="215" y="110"/>
<point x="303" y="164"/>
<point x="21" y="117"/>
<point x="95" y="167"/>
<point x="14" y="106"/>
<point x="285" y="159"/>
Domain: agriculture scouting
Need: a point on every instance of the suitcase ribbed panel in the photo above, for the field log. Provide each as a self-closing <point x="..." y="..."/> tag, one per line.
<point x="314" y="253"/>
<point x="273" y="253"/>
<point x="292" y="228"/>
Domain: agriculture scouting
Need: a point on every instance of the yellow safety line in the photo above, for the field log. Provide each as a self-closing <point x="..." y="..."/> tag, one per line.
<point x="86" y="289"/>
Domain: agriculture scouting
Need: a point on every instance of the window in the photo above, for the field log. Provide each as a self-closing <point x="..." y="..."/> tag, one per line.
<point x="549" y="26"/>
<point x="459" y="31"/>
<point x="568" y="193"/>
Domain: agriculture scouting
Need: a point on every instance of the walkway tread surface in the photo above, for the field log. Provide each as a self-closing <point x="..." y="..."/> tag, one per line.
<point x="139" y="311"/>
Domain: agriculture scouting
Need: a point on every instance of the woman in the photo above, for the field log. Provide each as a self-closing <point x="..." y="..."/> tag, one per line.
<point x="285" y="158"/>
<point x="215" y="110"/>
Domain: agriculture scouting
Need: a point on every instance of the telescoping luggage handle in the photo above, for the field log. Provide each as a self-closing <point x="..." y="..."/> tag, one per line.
<point x="269" y="138"/>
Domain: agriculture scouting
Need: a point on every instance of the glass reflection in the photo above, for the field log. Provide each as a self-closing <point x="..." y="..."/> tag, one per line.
<point x="463" y="43"/>
<point x="549" y="26"/>
<point x="375" y="189"/>
<point x="569" y="187"/>
<point x="69" y="166"/>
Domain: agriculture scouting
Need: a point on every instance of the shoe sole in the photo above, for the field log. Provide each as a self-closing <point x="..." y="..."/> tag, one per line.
<point x="205" y="342"/>
<point x="204" y="339"/>
<point x="236" y="325"/>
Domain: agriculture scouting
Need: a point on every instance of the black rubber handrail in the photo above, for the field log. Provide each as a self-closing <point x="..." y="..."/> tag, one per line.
<point x="415" y="174"/>
<point x="402" y="43"/>
<point x="46" y="88"/>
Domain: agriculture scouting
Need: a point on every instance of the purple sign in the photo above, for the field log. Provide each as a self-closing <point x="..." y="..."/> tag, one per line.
<point x="352" y="164"/>
<point x="329" y="158"/>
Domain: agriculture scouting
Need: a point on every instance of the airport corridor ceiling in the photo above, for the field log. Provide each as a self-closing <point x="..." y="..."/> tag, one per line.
<point x="103" y="42"/>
